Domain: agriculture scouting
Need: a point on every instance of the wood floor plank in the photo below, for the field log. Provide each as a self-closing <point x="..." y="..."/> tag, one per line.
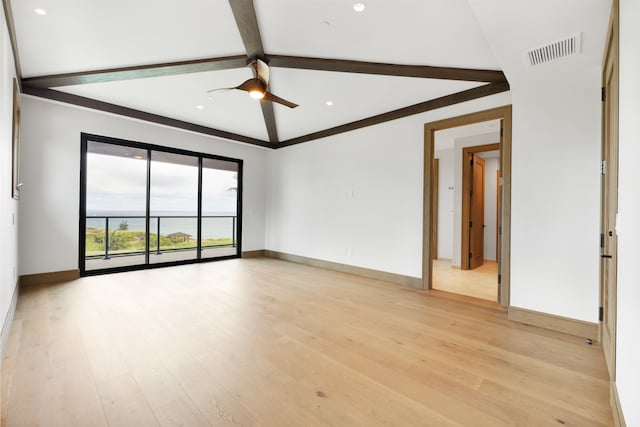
<point x="535" y="411"/>
<point x="76" y="401"/>
<point x="390" y="388"/>
<point x="210" y="397"/>
<point x="8" y="367"/>
<point x="263" y="342"/>
<point x="269" y="395"/>
<point x="359" y="356"/>
<point x="30" y="395"/>
<point x="123" y="403"/>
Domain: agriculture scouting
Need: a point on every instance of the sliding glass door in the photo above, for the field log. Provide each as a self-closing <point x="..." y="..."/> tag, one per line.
<point x="144" y="205"/>
<point x="173" y="207"/>
<point x="219" y="208"/>
<point x="116" y="188"/>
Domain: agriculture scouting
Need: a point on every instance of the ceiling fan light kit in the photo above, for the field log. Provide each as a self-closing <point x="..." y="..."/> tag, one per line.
<point x="258" y="86"/>
<point x="256" y="94"/>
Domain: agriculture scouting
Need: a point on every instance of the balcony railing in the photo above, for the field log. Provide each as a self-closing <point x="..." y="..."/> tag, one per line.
<point x="115" y="239"/>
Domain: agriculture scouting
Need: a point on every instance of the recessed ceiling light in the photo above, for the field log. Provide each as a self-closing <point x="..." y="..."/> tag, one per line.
<point x="358" y="7"/>
<point x="137" y="157"/>
<point x="199" y="107"/>
<point x="40" y="11"/>
<point x="329" y="103"/>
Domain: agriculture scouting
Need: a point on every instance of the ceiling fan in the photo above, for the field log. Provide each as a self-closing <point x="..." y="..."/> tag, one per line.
<point x="258" y="86"/>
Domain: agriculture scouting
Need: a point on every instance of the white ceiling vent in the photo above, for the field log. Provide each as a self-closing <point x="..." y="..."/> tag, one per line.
<point x="550" y="52"/>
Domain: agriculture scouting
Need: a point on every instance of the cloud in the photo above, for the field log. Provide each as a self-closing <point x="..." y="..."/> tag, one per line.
<point x="118" y="184"/>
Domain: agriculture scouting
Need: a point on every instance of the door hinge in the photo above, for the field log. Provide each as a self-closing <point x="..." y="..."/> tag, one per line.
<point x="603" y="167"/>
<point x="471" y="162"/>
<point x="600" y="314"/>
<point x="499" y="279"/>
<point x="602" y="240"/>
<point x="470" y="255"/>
<point x="604" y="94"/>
<point x="470" y="224"/>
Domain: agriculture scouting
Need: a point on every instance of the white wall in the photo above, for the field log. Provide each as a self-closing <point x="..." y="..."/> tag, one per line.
<point x="628" y="320"/>
<point x="8" y="206"/>
<point x="51" y="176"/>
<point x="356" y="198"/>
<point x="555" y="196"/>
<point x="492" y="164"/>
<point x="445" y="201"/>
<point x="556" y="151"/>
<point x="459" y="144"/>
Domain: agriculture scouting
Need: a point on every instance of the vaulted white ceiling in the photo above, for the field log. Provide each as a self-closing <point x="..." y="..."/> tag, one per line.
<point x="81" y="35"/>
<point x="77" y="35"/>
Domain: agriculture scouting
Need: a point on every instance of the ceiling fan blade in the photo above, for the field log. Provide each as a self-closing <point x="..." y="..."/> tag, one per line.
<point x="251" y="84"/>
<point x="268" y="96"/>
<point x="262" y="71"/>
<point x="219" y="90"/>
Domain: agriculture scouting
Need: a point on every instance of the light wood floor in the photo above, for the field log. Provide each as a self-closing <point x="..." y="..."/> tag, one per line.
<point x="481" y="282"/>
<point x="265" y="342"/>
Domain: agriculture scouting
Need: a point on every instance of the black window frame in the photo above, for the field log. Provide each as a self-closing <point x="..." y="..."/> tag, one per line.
<point x="85" y="138"/>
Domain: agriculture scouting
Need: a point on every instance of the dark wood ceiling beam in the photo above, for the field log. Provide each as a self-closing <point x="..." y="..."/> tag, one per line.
<point x="240" y="61"/>
<point x="244" y="13"/>
<point x="456" y="98"/>
<point x="138" y="72"/>
<point x="421" y="71"/>
<point x="137" y="114"/>
<point x="270" y="121"/>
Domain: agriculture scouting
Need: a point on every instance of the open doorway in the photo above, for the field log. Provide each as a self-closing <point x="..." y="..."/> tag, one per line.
<point x="466" y="195"/>
<point x="467" y="166"/>
<point x="480" y="196"/>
